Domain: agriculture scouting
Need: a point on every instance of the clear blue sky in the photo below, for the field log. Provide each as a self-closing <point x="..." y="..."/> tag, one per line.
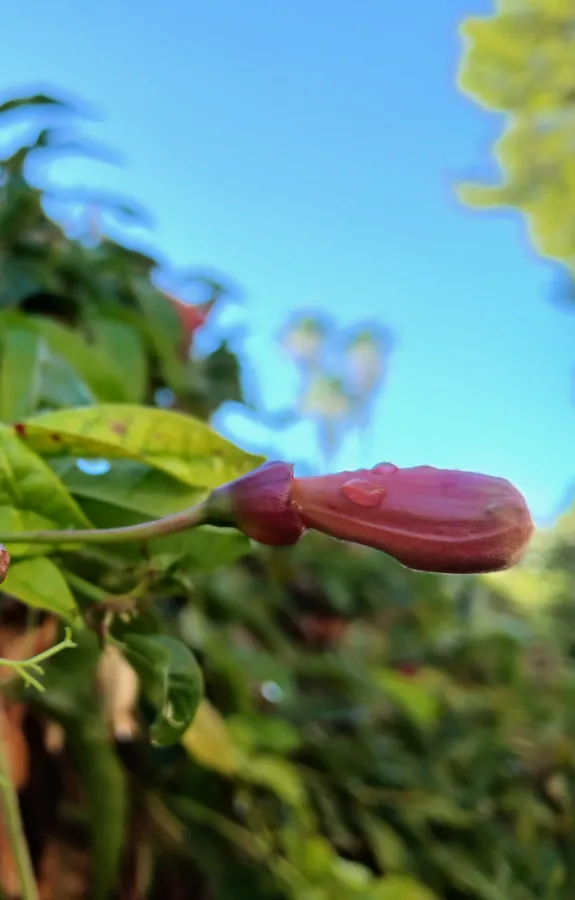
<point x="309" y="151"/>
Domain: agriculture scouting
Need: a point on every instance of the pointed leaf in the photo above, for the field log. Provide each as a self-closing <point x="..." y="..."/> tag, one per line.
<point x="171" y="681"/>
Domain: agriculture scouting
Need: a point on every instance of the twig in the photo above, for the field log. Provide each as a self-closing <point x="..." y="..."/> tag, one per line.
<point x="180" y="521"/>
<point x="21" y="666"/>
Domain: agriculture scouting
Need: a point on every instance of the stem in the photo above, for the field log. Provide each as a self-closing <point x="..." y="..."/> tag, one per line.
<point x="14" y="826"/>
<point x="180" y="521"/>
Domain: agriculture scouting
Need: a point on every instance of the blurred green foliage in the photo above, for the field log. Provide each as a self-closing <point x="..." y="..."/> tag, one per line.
<point x="313" y="724"/>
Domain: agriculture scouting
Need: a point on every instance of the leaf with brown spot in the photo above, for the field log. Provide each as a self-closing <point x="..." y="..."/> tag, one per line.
<point x="182" y="446"/>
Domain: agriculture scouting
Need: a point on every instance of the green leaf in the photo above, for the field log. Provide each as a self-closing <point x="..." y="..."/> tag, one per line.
<point x="19" y="277"/>
<point x="31" y="496"/>
<point x="400" y="887"/>
<point x="278" y="775"/>
<point x="419" y="702"/>
<point x="265" y="733"/>
<point x="163" y="329"/>
<point x="386" y="845"/>
<point x="179" y="445"/>
<point x="202" y="549"/>
<point x="171" y="680"/>
<point x="130" y="485"/>
<point x="39" y="583"/>
<point x="20" y="372"/>
<point x="89" y="360"/>
<point x="126" y="355"/>
<point x="425" y="807"/>
<point x="32" y="100"/>
<point x="467" y="873"/>
<point x="221" y="369"/>
<point x="61" y="384"/>
<point x="353" y="876"/>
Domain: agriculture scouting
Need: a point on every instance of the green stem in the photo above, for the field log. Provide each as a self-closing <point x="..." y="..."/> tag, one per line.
<point x="89" y="590"/>
<point x="15" y="828"/>
<point x="24" y="667"/>
<point x="34" y="661"/>
<point x="180" y="521"/>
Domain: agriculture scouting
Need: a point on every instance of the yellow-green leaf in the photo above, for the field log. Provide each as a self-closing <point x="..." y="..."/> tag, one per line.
<point x="209" y="741"/>
<point x="519" y="61"/>
<point x="39" y="583"/>
<point x="179" y="445"/>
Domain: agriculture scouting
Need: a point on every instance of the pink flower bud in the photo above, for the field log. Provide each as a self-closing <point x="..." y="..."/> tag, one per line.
<point x="429" y="519"/>
<point x="260" y="505"/>
<point x="434" y="520"/>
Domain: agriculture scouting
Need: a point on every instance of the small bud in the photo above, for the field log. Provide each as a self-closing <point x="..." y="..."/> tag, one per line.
<point x="119" y="688"/>
<point x="260" y="505"/>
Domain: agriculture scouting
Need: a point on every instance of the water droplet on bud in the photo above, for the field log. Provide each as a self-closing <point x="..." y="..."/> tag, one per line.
<point x="385" y="468"/>
<point x="363" y="493"/>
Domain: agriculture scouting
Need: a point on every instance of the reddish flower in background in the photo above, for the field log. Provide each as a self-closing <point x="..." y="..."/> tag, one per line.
<point x="434" y="520"/>
<point x="191" y="317"/>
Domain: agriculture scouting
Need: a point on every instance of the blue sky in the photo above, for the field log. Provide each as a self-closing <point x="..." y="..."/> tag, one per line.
<point x="309" y="151"/>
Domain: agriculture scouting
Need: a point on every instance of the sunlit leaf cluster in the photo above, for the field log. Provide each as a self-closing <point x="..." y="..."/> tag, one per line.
<point x="519" y="62"/>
